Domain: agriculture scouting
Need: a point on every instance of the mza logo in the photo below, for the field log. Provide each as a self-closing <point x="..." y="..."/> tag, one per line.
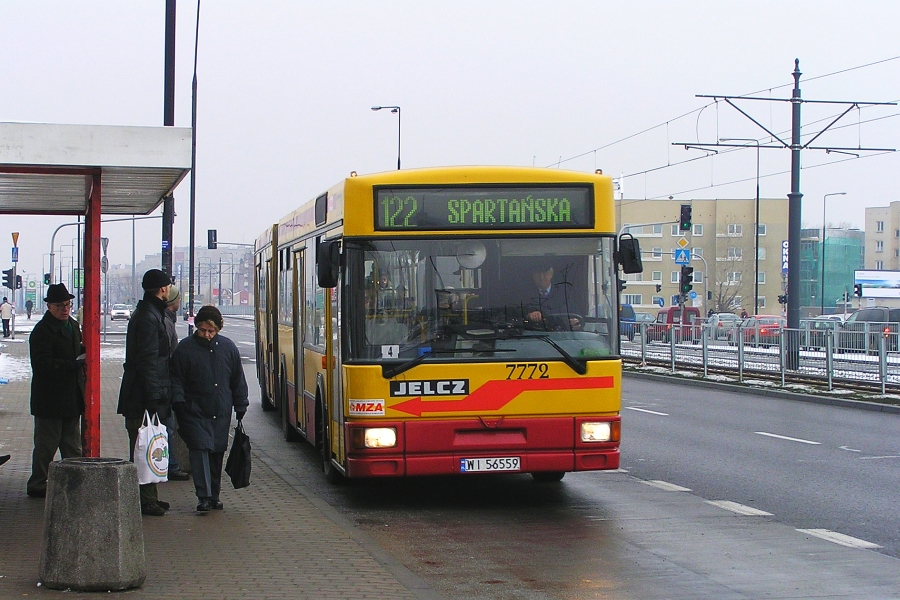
<point x="369" y="408"/>
<point x="430" y="387"/>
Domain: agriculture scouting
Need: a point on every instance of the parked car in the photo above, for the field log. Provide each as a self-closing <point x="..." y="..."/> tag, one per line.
<point x="642" y="321"/>
<point x="814" y="332"/>
<point x="862" y="329"/>
<point x="761" y="330"/>
<point x="120" y="311"/>
<point x="626" y="321"/>
<point x="684" y="325"/>
<point x="184" y="311"/>
<point x="722" y="325"/>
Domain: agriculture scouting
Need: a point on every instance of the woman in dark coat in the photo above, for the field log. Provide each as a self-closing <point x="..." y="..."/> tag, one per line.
<point x="207" y="384"/>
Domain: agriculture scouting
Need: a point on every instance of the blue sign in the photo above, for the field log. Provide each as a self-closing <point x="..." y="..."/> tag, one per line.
<point x="15" y="254"/>
<point x="693" y="295"/>
<point x="675" y="299"/>
<point x="683" y="256"/>
<point x="659" y="301"/>
<point x="784" y="257"/>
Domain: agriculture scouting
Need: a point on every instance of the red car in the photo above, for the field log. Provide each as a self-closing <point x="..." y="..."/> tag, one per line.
<point x="762" y="330"/>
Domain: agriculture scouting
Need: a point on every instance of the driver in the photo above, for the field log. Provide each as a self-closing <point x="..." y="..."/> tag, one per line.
<point x="547" y="298"/>
<point x="542" y="300"/>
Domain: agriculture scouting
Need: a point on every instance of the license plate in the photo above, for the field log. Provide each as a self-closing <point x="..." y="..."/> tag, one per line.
<point x="486" y="465"/>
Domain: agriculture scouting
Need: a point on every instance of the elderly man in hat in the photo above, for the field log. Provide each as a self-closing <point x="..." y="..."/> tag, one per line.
<point x="57" y="387"/>
<point x="145" y="382"/>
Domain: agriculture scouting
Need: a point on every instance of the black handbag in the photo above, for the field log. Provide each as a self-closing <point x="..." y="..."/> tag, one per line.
<point x="237" y="466"/>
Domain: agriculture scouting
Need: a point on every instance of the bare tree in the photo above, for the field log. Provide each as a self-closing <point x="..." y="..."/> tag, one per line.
<point x="733" y="286"/>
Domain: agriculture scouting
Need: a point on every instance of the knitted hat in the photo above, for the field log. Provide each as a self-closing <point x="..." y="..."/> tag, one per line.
<point x="155" y="279"/>
<point x="209" y="312"/>
<point x="174" y="295"/>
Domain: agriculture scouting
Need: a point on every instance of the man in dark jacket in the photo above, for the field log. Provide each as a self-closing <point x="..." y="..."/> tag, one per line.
<point x="57" y="387"/>
<point x="145" y="382"/>
<point x="207" y="384"/>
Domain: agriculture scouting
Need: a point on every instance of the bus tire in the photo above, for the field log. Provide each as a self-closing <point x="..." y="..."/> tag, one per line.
<point x="548" y="476"/>
<point x="265" y="399"/>
<point x="287" y="428"/>
<point x="323" y="444"/>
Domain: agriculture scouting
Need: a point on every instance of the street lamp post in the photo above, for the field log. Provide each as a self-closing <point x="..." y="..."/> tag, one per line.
<point x="824" y="203"/>
<point x="756" y="234"/>
<point x="394" y="109"/>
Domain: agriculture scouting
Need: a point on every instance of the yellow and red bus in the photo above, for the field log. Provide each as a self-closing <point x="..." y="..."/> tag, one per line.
<point x="399" y="329"/>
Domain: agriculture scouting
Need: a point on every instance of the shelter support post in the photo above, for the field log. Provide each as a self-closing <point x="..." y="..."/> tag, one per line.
<point x="90" y="328"/>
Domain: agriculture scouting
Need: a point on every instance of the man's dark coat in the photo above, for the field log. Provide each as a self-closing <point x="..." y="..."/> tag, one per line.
<point x="57" y="384"/>
<point x="145" y="382"/>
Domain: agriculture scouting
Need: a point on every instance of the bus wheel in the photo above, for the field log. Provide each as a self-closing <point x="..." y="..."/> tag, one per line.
<point x="323" y="445"/>
<point x="287" y="428"/>
<point x="265" y="399"/>
<point x="548" y="476"/>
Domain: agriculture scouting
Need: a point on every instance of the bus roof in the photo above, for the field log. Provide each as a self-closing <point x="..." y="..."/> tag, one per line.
<point x="358" y="192"/>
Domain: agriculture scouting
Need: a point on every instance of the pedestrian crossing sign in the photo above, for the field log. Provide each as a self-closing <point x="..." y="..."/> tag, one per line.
<point x="683" y="256"/>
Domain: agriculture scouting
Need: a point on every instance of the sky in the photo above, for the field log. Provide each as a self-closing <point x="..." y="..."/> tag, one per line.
<point x="285" y="90"/>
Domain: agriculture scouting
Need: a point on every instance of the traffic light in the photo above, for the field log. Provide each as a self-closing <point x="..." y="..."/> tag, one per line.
<point x="658" y="288"/>
<point x="685" y="217"/>
<point x="687" y="279"/>
<point x="211" y="242"/>
<point x="46" y="278"/>
<point x="9" y="278"/>
<point x="857" y="290"/>
<point x="18" y="282"/>
<point x="621" y="284"/>
<point x="782" y="298"/>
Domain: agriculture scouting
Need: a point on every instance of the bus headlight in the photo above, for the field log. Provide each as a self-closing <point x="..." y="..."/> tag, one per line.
<point x="380" y="437"/>
<point x="596" y="431"/>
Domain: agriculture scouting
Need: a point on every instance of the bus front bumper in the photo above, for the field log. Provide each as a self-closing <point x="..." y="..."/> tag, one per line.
<point x="448" y="447"/>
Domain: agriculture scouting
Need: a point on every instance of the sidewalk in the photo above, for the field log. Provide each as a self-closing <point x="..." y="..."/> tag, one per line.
<point x="273" y="540"/>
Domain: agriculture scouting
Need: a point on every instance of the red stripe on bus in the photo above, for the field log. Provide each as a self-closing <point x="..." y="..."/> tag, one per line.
<point x="494" y="395"/>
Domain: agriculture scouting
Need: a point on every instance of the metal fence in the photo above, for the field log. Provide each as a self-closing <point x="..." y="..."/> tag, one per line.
<point x="865" y="353"/>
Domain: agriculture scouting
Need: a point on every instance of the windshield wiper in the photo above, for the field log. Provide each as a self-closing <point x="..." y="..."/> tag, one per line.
<point x="390" y="372"/>
<point x="578" y="367"/>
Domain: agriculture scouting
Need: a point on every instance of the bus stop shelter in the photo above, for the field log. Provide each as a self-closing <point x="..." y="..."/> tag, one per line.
<point x="89" y="171"/>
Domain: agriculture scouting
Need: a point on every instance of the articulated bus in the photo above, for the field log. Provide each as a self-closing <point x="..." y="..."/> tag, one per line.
<point x="401" y="331"/>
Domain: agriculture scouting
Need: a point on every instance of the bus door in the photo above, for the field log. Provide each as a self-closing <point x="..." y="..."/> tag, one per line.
<point x="333" y="371"/>
<point x="297" y="413"/>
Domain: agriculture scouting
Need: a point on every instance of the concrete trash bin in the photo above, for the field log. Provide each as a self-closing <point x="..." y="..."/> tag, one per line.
<point x="93" y="537"/>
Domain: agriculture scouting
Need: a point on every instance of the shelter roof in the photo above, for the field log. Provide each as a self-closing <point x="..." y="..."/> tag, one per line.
<point x="43" y="167"/>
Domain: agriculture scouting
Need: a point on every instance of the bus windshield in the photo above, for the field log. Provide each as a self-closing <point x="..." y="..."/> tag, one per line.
<point x="505" y="298"/>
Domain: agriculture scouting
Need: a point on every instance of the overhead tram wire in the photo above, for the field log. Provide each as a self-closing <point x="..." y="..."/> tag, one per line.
<point x="768" y="89"/>
<point x="738" y="149"/>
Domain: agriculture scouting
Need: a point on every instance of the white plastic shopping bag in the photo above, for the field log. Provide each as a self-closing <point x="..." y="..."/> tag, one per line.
<point x="151" y="451"/>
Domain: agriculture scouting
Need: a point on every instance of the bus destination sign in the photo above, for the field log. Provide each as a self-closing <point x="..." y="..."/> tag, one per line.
<point x="471" y="208"/>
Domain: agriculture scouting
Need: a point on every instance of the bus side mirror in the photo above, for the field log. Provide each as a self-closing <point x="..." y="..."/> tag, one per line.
<point x="328" y="263"/>
<point x="630" y="254"/>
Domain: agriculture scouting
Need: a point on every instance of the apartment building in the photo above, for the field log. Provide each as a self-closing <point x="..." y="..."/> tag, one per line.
<point x="722" y="242"/>
<point x="883" y="239"/>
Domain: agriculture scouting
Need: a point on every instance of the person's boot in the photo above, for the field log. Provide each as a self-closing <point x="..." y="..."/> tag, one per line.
<point x="152" y="510"/>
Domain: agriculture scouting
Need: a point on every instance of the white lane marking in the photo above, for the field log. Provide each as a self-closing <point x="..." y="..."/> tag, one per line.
<point x="790" y="439"/>
<point x="877" y="457"/>
<point x="849" y="449"/>
<point x="248" y="343"/>
<point x="644" y="410"/>
<point x="840" y="538"/>
<point x="665" y="485"/>
<point x="740" y="509"/>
